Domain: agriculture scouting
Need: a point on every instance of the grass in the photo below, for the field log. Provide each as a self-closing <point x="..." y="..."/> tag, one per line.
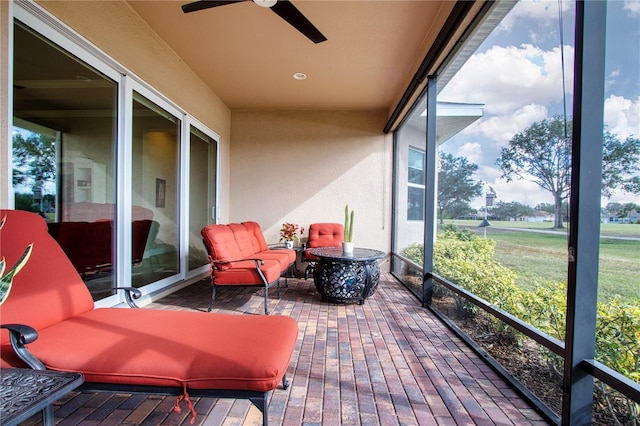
<point x="606" y="229"/>
<point x="540" y="256"/>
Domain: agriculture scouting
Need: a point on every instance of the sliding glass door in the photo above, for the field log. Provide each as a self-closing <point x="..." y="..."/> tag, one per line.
<point x="64" y="134"/>
<point x="124" y="178"/>
<point x="202" y="192"/>
<point x="155" y="180"/>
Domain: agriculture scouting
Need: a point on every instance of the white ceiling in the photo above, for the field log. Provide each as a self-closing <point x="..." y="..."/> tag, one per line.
<point x="248" y="55"/>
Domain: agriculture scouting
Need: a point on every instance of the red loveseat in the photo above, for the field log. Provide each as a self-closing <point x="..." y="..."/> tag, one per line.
<point x="88" y="245"/>
<point x="49" y="322"/>
<point x="239" y="255"/>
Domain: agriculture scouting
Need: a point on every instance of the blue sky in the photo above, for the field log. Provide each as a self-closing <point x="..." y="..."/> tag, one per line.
<point x="517" y="74"/>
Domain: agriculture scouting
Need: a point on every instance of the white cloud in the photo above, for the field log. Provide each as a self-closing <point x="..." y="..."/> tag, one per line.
<point x="505" y="79"/>
<point x="501" y="128"/>
<point x="612" y="78"/>
<point x="472" y="151"/>
<point x="632" y="6"/>
<point x="537" y="11"/>
<point x="622" y="116"/>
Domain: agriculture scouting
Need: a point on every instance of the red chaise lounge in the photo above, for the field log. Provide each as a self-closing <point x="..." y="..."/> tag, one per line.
<point x="131" y="350"/>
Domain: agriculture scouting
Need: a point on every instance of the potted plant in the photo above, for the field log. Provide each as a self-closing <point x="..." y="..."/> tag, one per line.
<point x="348" y="244"/>
<point x="7" y="279"/>
<point x="289" y="232"/>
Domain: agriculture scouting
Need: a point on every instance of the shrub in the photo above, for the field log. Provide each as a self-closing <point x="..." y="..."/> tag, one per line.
<point x="467" y="260"/>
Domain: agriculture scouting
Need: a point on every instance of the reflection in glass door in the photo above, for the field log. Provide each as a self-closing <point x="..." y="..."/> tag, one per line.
<point x="155" y="157"/>
<point x="64" y="151"/>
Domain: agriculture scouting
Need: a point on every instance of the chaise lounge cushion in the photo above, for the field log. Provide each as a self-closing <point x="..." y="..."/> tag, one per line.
<point x="170" y="348"/>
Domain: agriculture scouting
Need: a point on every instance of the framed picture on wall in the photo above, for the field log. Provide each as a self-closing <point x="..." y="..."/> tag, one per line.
<point x="161" y="188"/>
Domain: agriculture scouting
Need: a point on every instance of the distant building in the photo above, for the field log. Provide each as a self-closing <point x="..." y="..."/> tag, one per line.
<point x="613" y="217"/>
<point x="539" y="216"/>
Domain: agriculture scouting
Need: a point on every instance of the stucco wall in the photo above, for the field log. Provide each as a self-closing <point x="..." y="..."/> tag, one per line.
<point x="304" y="166"/>
<point x="118" y="31"/>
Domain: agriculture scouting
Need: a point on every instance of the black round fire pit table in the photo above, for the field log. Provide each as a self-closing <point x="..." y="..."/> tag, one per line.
<point x="346" y="277"/>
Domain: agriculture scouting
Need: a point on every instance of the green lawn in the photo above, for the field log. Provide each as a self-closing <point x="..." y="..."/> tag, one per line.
<point x="606" y="229"/>
<point x="538" y="257"/>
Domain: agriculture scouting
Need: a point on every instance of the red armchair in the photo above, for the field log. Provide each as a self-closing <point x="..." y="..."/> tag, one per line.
<point x="321" y="235"/>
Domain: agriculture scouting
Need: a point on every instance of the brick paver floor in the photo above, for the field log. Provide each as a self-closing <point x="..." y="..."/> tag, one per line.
<point x="386" y="362"/>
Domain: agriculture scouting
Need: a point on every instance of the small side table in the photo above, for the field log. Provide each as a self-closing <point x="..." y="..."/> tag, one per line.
<point x="24" y="392"/>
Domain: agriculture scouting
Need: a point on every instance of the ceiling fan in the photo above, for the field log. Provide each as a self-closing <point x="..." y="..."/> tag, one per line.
<point x="283" y="8"/>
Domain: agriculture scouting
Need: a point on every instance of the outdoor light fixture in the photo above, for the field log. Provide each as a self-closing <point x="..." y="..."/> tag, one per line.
<point x="490" y="196"/>
<point x="265" y="3"/>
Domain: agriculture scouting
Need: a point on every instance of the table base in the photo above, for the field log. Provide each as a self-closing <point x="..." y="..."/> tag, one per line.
<point x="346" y="281"/>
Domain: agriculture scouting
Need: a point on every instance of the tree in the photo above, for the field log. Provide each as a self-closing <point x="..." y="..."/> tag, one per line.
<point x="622" y="210"/>
<point x="456" y="187"/>
<point x="458" y="209"/>
<point x="542" y="154"/>
<point x="545" y="207"/>
<point x="34" y="159"/>
<point x="511" y="210"/>
<point x="620" y="160"/>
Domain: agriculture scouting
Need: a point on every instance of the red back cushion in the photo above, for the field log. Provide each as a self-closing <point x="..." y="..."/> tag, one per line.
<point x="221" y="243"/>
<point x="325" y="235"/>
<point x="244" y="239"/>
<point x="259" y="243"/>
<point x="48" y="289"/>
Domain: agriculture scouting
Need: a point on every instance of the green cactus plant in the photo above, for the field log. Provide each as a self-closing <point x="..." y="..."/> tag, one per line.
<point x="6" y="280"/>
<point x="348" y="224"/>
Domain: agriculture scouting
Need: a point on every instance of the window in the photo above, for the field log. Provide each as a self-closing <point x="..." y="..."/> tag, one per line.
<point x="410" y="179"/>
<point x="415" y="185"/>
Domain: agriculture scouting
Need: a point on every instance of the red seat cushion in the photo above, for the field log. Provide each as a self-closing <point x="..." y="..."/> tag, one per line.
<point x="169" y="348"/>
<point x="284" y="257"/>
<point x="244" y="273"/>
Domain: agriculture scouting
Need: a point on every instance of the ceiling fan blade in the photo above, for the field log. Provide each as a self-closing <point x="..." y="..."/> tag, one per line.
<point x="206" y="4"/>
<point x="287" y="11"/>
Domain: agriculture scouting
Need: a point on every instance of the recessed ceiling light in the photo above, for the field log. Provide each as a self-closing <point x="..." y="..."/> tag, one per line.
<point x="300" y="76"/>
